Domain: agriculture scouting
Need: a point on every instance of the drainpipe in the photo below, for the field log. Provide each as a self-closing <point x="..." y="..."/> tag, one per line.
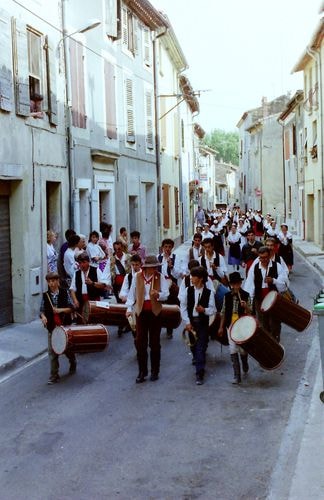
<point x="316" y="56"/>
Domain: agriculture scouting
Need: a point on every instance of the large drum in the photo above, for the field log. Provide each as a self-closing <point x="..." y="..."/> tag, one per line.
<point x="104" y="312"/>
<point x="213" y="331"/>
<point x="79" y="338"/>
<point x="115" y="314"/>
<point x="286" y="311"/>
<point x="247" y="333"/>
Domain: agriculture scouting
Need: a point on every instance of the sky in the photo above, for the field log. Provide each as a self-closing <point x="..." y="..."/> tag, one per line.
<point x="240" y="50"/>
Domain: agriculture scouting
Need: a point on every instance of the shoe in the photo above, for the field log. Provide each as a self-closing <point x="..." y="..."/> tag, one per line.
<point x="120" y="331"/>
<point x="236" y="381"/>
<point x="53" y="380"/>
<point x="199" y="380"/>
<point x="140" y="378"/>
<point x="154" y="377"/>
<point x="169" y="334"/>
<point x="72" y="369"/>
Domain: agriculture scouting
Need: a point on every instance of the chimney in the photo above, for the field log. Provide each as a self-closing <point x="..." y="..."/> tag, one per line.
<point x="265" y="106"/>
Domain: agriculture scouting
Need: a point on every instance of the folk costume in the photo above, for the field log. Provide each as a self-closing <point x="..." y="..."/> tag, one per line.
<point x="234" y="253"/>
<point x="169" y="269"/>
<point x="147" y="310"/>
<point x="285" y="247"/>
<point x="250" y="253"/>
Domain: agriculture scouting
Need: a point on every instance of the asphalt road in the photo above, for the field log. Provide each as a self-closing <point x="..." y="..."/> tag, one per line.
<point x="98" y="435"/>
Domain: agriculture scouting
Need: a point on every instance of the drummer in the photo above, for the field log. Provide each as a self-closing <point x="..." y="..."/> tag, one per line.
<point x="236" y="303"/>
<point x="88" y="282"/>
<point x="55" y="310"/>
<point x="264" y="276"/>
<point x="147" y="291"/>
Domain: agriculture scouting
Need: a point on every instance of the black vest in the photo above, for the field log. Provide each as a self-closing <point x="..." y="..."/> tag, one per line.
<point x="92" y="291"/>
<point x="204" y="301"/>
<point x="228" y="297"/>
<point x="173" y="257"/>
<point x="273" y="273"/>
<point x="61" y="302"/>
<point x="216" y="262"/>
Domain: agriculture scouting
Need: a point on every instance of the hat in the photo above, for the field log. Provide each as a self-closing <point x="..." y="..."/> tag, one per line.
<point x="235" y="277"/>
<point x="205" y="224"/>
<point x="83" y="257"/>
<point x="52" y="276"/>
<point x="151" y="261"/>
<point x="283" y="224"/>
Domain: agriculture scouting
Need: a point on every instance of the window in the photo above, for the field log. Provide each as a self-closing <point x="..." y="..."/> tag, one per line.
<point x="165" y="205"/>
<point x="182" y="135"/>
<point x="111" y="18"/>
<point x="77" y="84"/>
<point x="129" y="104"/>
<point x="287" y="146"/>
<point x="149" y="120"/>
<point x="110" y="96"/>
<point x="294" y="138"/>
<point x="147" y="55"/>
<point x="176" y="206"/>
<point x="129" y="38"/>
<point x="313" y="151"/>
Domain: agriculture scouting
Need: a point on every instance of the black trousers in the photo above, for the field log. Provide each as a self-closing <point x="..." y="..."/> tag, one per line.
<point x="148" y="330"/>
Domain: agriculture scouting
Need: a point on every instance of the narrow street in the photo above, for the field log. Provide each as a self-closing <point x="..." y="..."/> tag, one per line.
<point x="98" y="435"/>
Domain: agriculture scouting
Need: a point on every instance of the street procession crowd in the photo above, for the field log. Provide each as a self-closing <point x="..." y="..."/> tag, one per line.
<point x="210" y="289"/>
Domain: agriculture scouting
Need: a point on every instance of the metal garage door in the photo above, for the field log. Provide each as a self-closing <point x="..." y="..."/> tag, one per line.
<point x="5" y="263"/>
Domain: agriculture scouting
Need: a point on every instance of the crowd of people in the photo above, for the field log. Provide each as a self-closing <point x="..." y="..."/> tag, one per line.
<point x="210" y="297"/>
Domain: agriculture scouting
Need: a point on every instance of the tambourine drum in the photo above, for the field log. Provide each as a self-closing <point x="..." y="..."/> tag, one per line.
<point x="103" y="312"/>
<point x="247" y="333"/>
<point x="79" y="338"/>
<point x="286" y="311"/>
<point x="170" y="316"/>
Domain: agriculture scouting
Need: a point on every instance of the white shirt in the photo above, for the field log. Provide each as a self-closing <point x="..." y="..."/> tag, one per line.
<point x="95" y="250"/>
<point x="69" y="262"/>
<point x="183" y="289"/>
<point x="163" y="295"/>
<point x="123" y="294"/>
<point x="103" y="277"/>
<point x="175" y="271"/>
<point x="221" y="269"/>
<point x="280" y="282"/>
<point x="209" y="311"/>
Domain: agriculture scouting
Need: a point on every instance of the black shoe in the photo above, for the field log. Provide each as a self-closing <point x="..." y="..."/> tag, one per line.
<point x="140" y="378"/>
<point x="199" y="380"/>
<point x="72" y="369"/>
<point x="120" y="331"/>
<point x="169" y="335"/>
<point x="154" y="377"/>
<point x="54" y="379"/>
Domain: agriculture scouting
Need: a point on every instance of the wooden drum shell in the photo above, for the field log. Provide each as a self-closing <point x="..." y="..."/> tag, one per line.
<point x="79" y="338"/>
<point x="293" y="315"/>
<point x="257" y="342"/>
<point x="115" y="314"/>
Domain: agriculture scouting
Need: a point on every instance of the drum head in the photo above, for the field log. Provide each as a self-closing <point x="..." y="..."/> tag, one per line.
<point x="268" y="301"/>
<point x="59" y="340"/>
<point x="243" y="329"/>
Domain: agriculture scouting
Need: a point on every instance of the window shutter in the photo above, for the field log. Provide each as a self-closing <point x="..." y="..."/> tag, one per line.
<point x="51" y="83"/>
<point x="176" y="206"/>
<point x="130" y="132"/>
<point x="21" y="73"/>
<point x="163" y="131"/>
<point x="6" y="94"/>
<point x="77" y="84"/>
<point x="149" y="120"/>
<point x="111" y="18"/>
<point x="134" y="40"/>
<point x="147" y="46"/>
<point x="176" y="125"/>
<point x="125" y="26"/>
<point x="110" y="100"/>
<point x="165" y="206"/>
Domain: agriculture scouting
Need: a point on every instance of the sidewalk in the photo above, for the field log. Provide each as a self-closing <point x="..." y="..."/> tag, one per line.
<point x="20" y="343"/>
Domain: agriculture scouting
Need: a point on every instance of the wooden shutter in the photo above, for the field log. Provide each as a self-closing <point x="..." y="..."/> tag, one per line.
<point x="111" y="18"/>
<point x="149" y="120"/>
<point x="130" y="132"/>
<point x="21" y="72"/>
<point x="110" y="100"/>
<point x="165" y="205"/>
<point x="176" y="206"/>
<point x="6" y="83"/>
<point x="163" y="131"/>
<point x="147" y="47"/>
<point x="51" y="83"/>
<point x="77" y="84"/>
<point x="124" y="13"/>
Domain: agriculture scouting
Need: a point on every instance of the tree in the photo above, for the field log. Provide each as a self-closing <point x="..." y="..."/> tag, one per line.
<point x="225" y="143"/>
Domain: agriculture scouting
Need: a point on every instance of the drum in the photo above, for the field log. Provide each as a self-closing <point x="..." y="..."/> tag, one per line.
<point x="286" y="311"/>
<point x="247" y="333"/>
<point x="115" y="314"/>
<point x="170" y="316"/>
<point x="213" y="331"/>
<point x="79" y="338"/>
<point x="103" y="312"/>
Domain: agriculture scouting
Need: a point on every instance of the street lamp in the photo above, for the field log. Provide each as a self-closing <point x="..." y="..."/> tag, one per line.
<point x="91" y="24"/>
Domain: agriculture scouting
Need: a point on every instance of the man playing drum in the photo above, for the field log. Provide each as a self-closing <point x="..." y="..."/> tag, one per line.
<point x="148" y="289"/>
<point x="236" y="303"/>
<point x="264" y="276"/>
<point x="55" y="310"/>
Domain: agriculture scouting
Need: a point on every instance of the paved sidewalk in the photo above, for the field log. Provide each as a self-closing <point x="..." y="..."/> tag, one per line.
<point x="20" y="343"/>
